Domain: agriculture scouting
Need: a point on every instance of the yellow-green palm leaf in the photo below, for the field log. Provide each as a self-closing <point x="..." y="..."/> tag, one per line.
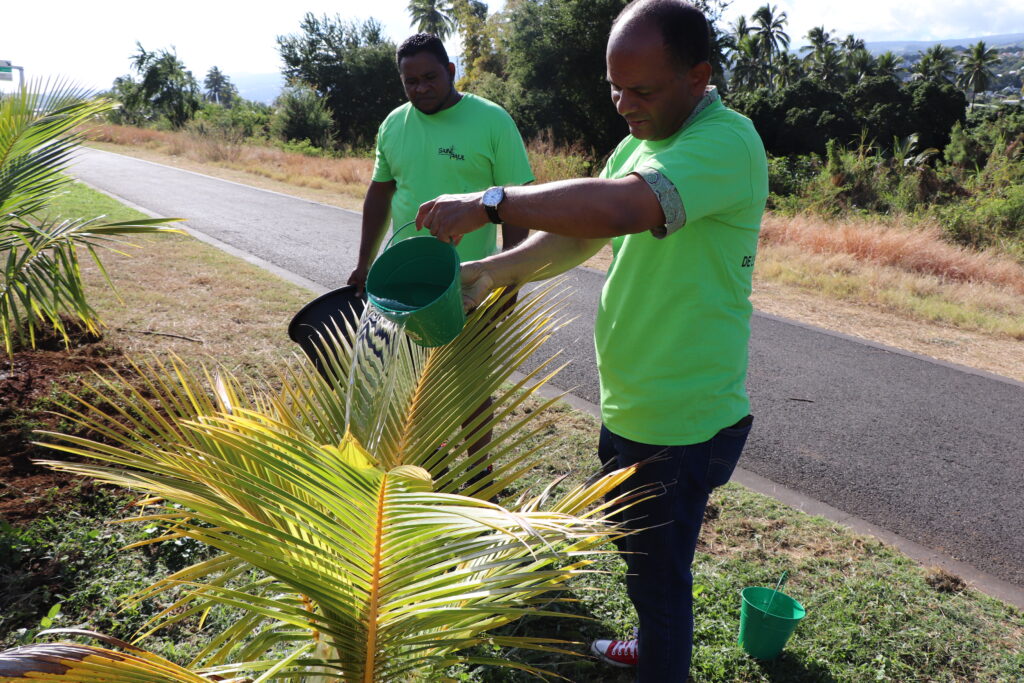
<point x="74" y="663"/>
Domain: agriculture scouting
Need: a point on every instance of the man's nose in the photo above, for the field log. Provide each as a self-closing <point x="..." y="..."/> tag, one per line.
<point x="624" y="104"/>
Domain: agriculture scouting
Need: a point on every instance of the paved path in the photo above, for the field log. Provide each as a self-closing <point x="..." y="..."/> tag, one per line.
<point x="925" y="450"/>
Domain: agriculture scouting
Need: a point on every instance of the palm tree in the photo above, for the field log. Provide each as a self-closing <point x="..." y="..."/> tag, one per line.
<point x="859" y="64"/>
<point x="788" y="70"/>
<point x="852" y="43"/>
<point x="937" y="63"/>
<point x="977" y="72"/>
<point x="826" y="64"/>
<point x="343" y="489"/>
<point x="818" y="38"/>
<point x="432" y="16"/>
<point x="219" y="88"/>
<point x="41" y="275"/>
<point x="771" y="31"/>
<point x="740" y="28"/>
<point x="166" y="86"/>
<point x="749" y="69"/>
<point x="888" y="64"/>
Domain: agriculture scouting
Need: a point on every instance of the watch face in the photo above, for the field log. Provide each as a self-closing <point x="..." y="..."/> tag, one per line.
<point x="493" y="196"/>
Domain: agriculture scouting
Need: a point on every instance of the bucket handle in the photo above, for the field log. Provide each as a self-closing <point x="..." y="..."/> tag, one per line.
<point x="387" y="245"/>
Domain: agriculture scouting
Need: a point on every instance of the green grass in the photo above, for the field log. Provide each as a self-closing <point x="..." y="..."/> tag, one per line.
<point x="872" y="613"/>
<point x="80" y="201"/>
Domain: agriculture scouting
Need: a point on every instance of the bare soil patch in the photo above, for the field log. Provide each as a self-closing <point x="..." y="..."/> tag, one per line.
<point x="32" y="384"/>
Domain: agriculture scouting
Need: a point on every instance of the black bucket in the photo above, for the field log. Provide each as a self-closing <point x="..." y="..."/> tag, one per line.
<point x="323" y="316"/>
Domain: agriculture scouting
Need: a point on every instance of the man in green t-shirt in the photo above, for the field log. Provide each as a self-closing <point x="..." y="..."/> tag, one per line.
<point x="440" y="141"/>
<point x="681" y="200"/>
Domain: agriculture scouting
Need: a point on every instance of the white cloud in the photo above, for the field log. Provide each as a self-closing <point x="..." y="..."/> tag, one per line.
<point x="875" y="20"/>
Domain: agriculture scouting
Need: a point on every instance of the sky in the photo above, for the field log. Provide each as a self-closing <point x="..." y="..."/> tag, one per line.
<point x="91" y="42"/>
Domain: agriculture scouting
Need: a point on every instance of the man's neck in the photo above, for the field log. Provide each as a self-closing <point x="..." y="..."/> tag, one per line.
<point x="452" y="99"/>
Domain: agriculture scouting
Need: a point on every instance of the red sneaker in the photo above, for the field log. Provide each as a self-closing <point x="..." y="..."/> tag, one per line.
<point x="622" y="653"/>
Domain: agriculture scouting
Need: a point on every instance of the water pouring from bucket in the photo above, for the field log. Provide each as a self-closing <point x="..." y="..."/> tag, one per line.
<point x="416" y="283"/>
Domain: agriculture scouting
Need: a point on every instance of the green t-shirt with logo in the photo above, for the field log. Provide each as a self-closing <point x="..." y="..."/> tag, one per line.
<point x="674" y="319"/>
<point x="468" y="147"/>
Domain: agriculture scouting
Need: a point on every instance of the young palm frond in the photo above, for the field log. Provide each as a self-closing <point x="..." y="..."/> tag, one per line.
<point x="41" y="277"/>
<point x="372" y="566"/>
<point x="74" y="663"/>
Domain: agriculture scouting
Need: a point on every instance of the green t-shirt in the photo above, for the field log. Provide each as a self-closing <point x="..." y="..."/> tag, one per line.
<point x="674" y="319"/>
<point x="468" y="147"/>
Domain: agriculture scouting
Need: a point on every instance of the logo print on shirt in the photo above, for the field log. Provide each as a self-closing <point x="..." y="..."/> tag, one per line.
<point x="450" y="152"/>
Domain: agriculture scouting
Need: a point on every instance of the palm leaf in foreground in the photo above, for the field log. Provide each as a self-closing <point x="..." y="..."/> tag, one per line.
<point x="370" y="555"/>
<point x="74" y="663"/>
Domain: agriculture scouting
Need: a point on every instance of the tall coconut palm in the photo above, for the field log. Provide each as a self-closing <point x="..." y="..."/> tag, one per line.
<point x="40" y="273"/>
<point x="818" y="38"/>
<point x="788" y="70"/>
<point x="349" y="491"/>
<point x="770" y="29"/>
<point x="888" y="64"/>
<point x="219" y="88"/>
<point x="749" y="68"/>
<point x="976" y="65"/>
<point x="937" y="63"/>
<point x="432" y="16"/>
<point x="859" y="64"/>
<point x="826" y="64"/>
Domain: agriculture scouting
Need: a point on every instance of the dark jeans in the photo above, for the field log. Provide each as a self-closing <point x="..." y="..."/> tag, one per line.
<point x="659" y="581"/>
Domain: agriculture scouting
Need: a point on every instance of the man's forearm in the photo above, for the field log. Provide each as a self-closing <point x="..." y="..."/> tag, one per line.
<point x="539" y="257"/>
<point x="376" y="211"/>
<point x="586" y="208"/>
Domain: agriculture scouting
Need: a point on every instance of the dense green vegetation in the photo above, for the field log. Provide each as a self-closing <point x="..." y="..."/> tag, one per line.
<point x="974" y="188"/>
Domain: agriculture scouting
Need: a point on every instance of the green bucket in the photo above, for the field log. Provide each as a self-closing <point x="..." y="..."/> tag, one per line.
<point x="767" y="620"/>
<point x="416" y="283"/>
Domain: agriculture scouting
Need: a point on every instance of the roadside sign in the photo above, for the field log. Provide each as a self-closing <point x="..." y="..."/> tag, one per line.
<point x="5" y="70"/>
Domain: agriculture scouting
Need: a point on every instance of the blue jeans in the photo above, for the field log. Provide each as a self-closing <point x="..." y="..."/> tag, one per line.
<point x="659" y="581"/>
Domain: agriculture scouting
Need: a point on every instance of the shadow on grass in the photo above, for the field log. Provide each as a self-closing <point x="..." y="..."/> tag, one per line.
<point x="787" y="667"/>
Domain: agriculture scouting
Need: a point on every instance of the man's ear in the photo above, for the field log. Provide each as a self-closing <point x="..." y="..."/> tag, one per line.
<point x="700" y="76"/>
<point x="451" y="70"/>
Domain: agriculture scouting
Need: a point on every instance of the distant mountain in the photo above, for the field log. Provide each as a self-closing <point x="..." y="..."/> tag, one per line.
<point x="901" y="47"/>
<point x="258" y="87"/>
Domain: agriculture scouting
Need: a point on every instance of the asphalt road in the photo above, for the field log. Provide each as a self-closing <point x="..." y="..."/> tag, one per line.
<point x="927" y="450"/>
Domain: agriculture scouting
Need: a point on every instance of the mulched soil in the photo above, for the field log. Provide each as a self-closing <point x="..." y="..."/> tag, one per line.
<point x="32" y="383"/>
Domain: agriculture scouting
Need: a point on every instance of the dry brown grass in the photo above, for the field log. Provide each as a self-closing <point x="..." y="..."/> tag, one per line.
<point x="348" y="175"/>
<point x="913" y="250"/>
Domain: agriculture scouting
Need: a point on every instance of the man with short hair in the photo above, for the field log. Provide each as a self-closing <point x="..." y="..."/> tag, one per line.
<point x="440" y="141"/>
<point x="681" y="199"/>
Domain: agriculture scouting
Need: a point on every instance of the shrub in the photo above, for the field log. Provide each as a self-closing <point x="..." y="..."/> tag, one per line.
<point x="986" y="220"/>
<point x="302" y="115"/>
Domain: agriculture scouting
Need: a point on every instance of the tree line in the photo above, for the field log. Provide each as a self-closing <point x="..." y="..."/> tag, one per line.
<point x="543" y="60"/>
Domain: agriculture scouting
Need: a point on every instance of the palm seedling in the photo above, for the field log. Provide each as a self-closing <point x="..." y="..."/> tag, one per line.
<point x="40" y="276"/>
<point x="377" y="556"/>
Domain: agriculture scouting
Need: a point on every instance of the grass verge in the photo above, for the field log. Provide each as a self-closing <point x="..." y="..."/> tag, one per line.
<point x="872" y="613"/>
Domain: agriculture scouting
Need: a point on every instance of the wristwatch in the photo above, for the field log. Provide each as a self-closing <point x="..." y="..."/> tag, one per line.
<point x="492" y="198"/>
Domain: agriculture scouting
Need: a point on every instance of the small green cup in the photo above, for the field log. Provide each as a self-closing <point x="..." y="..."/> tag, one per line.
<point x="767" y="622"/>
